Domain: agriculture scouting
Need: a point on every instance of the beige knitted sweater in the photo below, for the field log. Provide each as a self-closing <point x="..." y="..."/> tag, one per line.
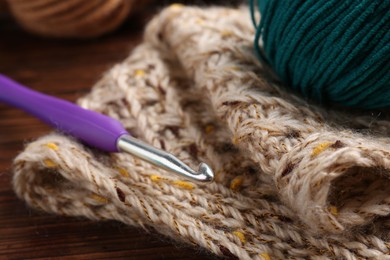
<point x="292" y="181"/>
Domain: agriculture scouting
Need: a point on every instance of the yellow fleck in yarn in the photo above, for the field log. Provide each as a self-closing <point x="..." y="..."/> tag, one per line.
<point x="235" y="68"/>
<point x="236" y="183"/>
<point x="226" y="33"/>
<point x="176" y="6"/>
<point x="179" y="183"/>
<point x="320" y="148"/>
<point x="155" y="178"/>
<point x="199" y="21"/>
<point x="52" y="146"/>
<point x="240" y="236"/>
<point x="265" y="256"/>
<point x="123" y="172"/>
<point x="49" y="163"/>
<point x="333" y="210"/>
<point x="140" y="73"/>
<point x="99" y="198"/>
<point x="184" y="184"/>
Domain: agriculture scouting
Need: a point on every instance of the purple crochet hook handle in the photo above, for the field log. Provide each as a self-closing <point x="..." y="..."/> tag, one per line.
<point x="91" y="127"/>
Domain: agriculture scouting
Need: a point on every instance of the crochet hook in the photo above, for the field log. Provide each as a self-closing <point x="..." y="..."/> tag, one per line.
<point x="93" y="128"/>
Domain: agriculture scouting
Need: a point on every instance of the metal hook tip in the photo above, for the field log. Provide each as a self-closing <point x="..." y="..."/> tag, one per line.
<point x="205" y="173"/>
<point x="163" y="159"/>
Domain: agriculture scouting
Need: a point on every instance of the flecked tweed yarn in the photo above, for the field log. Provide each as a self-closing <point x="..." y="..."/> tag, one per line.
<point x="291" y="182"/>
<point x="334" y="52"/>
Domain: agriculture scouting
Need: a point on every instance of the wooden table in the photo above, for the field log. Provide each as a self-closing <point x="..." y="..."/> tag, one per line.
<point x="66" y="69"/>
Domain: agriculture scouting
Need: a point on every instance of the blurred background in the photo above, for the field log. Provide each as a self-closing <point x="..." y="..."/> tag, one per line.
<point x="62" y="48"/>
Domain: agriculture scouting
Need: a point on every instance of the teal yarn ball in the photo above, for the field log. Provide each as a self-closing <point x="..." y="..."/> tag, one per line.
<point x="336" y="52"/>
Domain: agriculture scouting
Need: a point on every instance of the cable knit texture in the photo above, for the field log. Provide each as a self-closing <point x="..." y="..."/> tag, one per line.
<point x="291" y="180"/>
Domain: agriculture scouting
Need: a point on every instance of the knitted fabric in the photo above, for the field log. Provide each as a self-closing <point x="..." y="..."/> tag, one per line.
<point x="291" y="181"/>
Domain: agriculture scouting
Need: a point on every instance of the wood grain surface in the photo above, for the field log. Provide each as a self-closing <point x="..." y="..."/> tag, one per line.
<point x="65" y="69"/>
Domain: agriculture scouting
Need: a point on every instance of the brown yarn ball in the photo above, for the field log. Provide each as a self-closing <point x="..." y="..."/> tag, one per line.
<point x="3" y="7"/>
<point x="71" y="18"/>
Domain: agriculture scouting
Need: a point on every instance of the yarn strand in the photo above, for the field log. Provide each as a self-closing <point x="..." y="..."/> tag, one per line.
<point x="333" y="52"/>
